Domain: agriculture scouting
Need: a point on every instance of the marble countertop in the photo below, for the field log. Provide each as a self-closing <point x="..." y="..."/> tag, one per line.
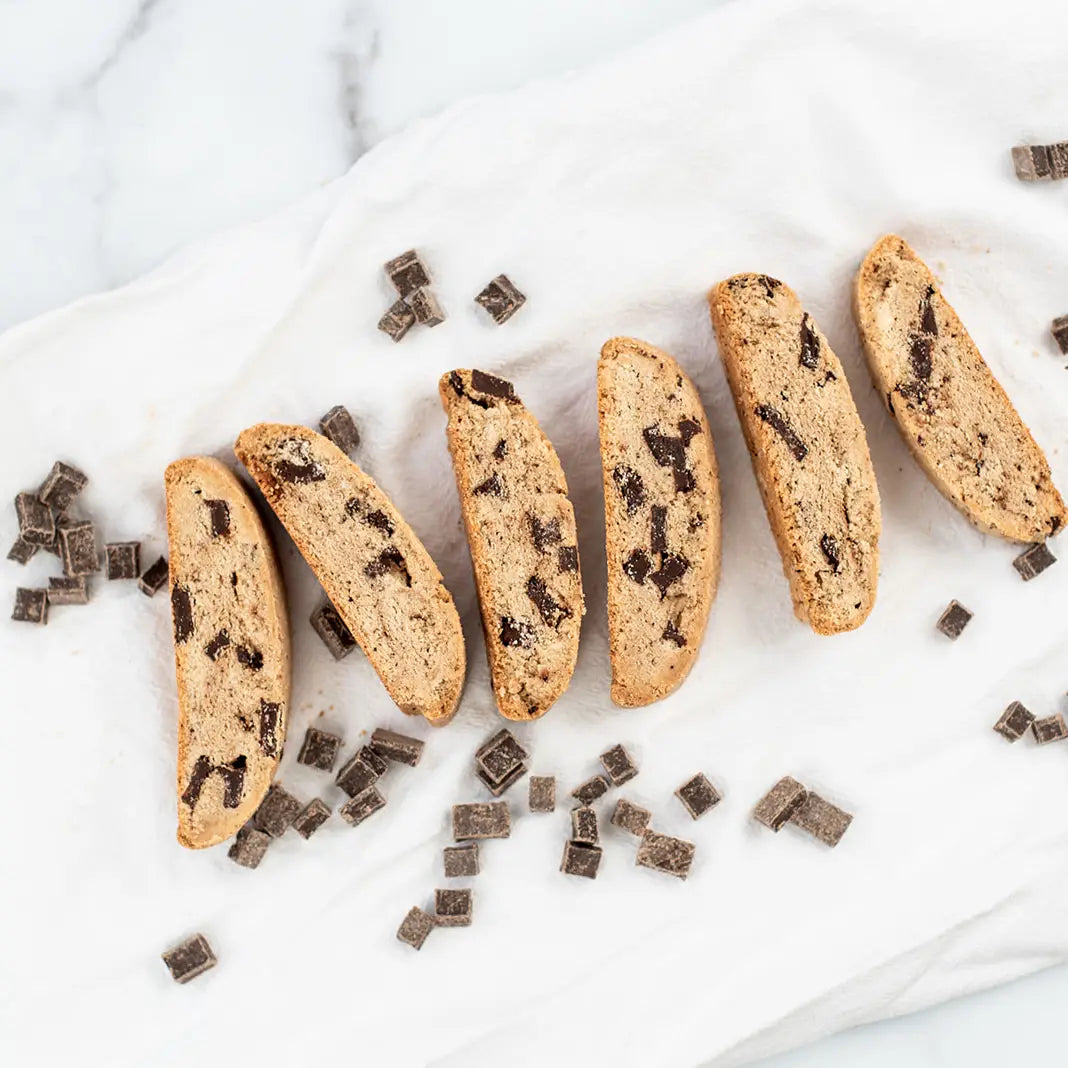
<point x="130" y="128"/>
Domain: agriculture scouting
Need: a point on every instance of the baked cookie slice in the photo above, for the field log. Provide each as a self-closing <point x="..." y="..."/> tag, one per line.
<point x="231" y="650"/>
<point x="521" y="530"/>
<point x="662" y="518"/>
<point x="374" y="569"/>
<point x="808" y="448"/>
<point x="952" y="412"/>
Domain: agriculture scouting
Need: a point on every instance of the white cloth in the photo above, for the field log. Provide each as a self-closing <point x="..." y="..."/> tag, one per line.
<point x="774" y="136"/>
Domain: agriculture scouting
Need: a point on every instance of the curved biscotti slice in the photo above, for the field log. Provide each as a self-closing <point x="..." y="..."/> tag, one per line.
<point x="231" y="650"/>
<point x="662" y="518"/>
<point x="521" y="530"/>
<point x="372" y="566"/>
<point x="808" y="447"/>
<point x="951" y="411"/>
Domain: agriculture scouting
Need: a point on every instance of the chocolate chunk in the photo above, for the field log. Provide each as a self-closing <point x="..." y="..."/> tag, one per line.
<point x="388" y="560"/>
<point x="213" y="650"/>
<point x="662" y="853"/>
<point x="249" y="657"/>
<point x="373" y="758"/>
<point x="22" y="552"/>
<point x="920" y="360"/>
<point x="1059" y="329"/>
<point x="452" y="908"/>
<point x="776" y="807"/>
<point x="62" y="485"/>
<point x="270" y="713"/>
<point x="544" y="534"/>
<point x="542" y="796"/>
<point x="397" y="321"/>
<point x="500" y="450"/>
<point x="688" y="429"/>
<point x="359" y="808"/>
<point x="497" y="788"/>
<point x="698" y="795"/>
<point x="319" y="749"/>
<point x="953" y="620"/>
<point x="396" y="747"/>
<point x="232" y="774"/>
<point x="219" y="517"/>
<point x="821" y="819"/>
<point x="202" y="768"/>
<point x="407" y="272"/>
<point x="584" y="825"/>
<point x="1049" y="729"/>
<point x="770" y="285"/>
<point x="672" y="567"/>
<point x="582" y="860"/>
<point x="1014" y="721"/>
<point x="339" y="426"/>
<point x="591" y="789"/>
<point x="618" y="765"/>
<point x="331" y="628"/>
<point x="1023" y="163"/>
<point x="68" y="590"/>
<point x="359" y="773"/>
<point x="492" y="386"/>
<point x="276" y="812"/>
<point x="425" y="308"/>
<point x="810" y="344"/>
<point x="501" y="755"/>
<point x="182" y="611"/>
<point x="296" y="464"/>
<point x="637" y="566"/>
<point x="492" y="487"/>
<point x="415" y="928"/>
<point x="77" y="548"/>
<point x="501" y="299"/>
<point x="477" y="821"/>
<point x="192" y="958"/>
<point x="631" y="487"/>
<point x="311" y="817"/>
<point x="778" y="422"/>
<point x="631" y="818"/>
<point x="36" y="523"/>
<point x="658" y="525"/>
<point x="461" y="861"/>
<point x="1033" y="561"/>
<point x="516" y="633"/>
<point x="552" y="612"/>
<point x="673" y="634"/>
<point x="670" y="451"/>
<point x="249" y="847"/>
<point x="928" y="322"/>
<point x="31" y="606"/>
<point x="567" y="558"/>
<point x="830" y="550"/>
<point x="155" y="578"/>
<point x="1058" y="159"/>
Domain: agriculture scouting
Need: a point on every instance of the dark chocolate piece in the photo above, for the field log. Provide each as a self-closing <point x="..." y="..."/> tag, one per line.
<point x="497" y="788"/>
<point x="1059" y="329"/>
<point x="631" y="818"/>
<point x="155" y="578"/>
<point x="810" y="344"/>
<point x="779" y="423"/>
<point x="672" y="567"/>
<point x="31" y="606"/>
<point x="1014" y="721"/>
<point x="567" y="558"/>
<point x="270" y="713"/>
<point x="388" y="560"/>
<point x="311" y="817"/>
<point x="339" y="426"/>
<point x="492" y="386"/>
<point x="396" y="747"/>
<point x="36" y="522"/>
<point x="492" y="487"/>
<point x="673" y="634"/>
<point x="631" y="487"/>
<point x="249" y="657"/>
<point x="192" y="958"/>
<point x="658" y="526"/>
<point x="461" y="861"/>
<point x="500" y="755"/>
<point x="62" y="485"/>
<point x="415" y="928"/>
<point x="397" y="321"/>
<point x="514" y="632"/>
<point x="232" y="774"/>
<point x="582" y="860"/>
<point x="182" y="611"/>
<point x="22" y="552"/>
<point x="830" y="550"/>
<point x="698" y="795"/>
<point x="544" y="534"/>
<point x="1049" y="729"/>
<point x="276" y="812"/>
<point x="407" y="272"/>
<point x="618" y="765"/>
<point x="452" y="908"/>
<point x="214" y="649"/>
<point x="776" y="807"/>
<point x="332" y="630"/>
<point x="662" y="853"/>
<point x="249" y="847"/>
<point x="542" y="795"/>
<point x="319" y="749"/>
<point x="359" y="773"/>
<point x="670" y="451"/>
<point x="476" y="821"/>
<point x="591" y="789"/>
<point x="953" y="620"/>
<point x="584" y="825"/>
<point x="552" y="611"/>
<point x="1058" y="159"/>
<point x="295" y="463"/>
<point x="426" y="308"/>
<point x="637" y="566"/>
<point x="501" y="299"/>
<point x="821" y="819"/>
<point x="1033" y="561"/>
<point x="356" y="810"/>
<point x="68" y="590"/>
<point x="77" y="548"/>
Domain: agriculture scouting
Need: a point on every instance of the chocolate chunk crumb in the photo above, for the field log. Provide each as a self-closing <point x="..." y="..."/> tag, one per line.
<point x="339" y="426"/>
<point x="778" y="422"/>
<point x="658" y="525"/>
<point x="360" y="772"/>
<point x="631" y="818"/>
<point x="388" y="561"/>
<point x="311" y="817"/>
<point x="492" y="386"/>
<point x="332" y="630"/>
<point x="182" y="611"/>
<point x="77" y="548"/>
<point x="831" y="552"/>
<point x="662" y="853"/>
<point x="214" y="649"/>
<point x="397" y="321"/>
<point x="36" y="522"/>
<point x="672" y="567"/>
<point x="567" y="558"/>
<point x="821" y="819"/>
<point x="637" y="566"/>
<point x="192" y="958"/>
<point x="618" y="765"/>
<point x="415" y="928"/>
<point x="426" y="308"/>
<point x="591" y="789"/>
<point x="296" y="465"/>
<point x="407" y="272"/>
<point x="581" y="860"/>
<point x="1033" y="561"/>
<point x="452" y="908"/>
<point x="249" y="657"/>
<point x="552" y="612"/>
<point x="631" y="487"/>
<point x="249" y="847"/>
<point x="776" y="807"/>
<point x="319" y="749"/>
<point x="153" y="580"/>
<point x="31" y="606"/>
<point x="492" y="487"/>
<point x="270" y="712"/>
<point x="1049" y="729"/>
<point x="62" y="485"/>
<point x="953" y="620"/>
<point x="542" y="796"/>
<point x="501" y="299"/>
<point x="360" y="807"/>
<point x="673" y="634"/>
<point x="477" y="821"/>
<point x="22" y="552"/>
<point x="219" y="517"/>
<point x="810" y="344"/>
<point x="396" y="747"/>
<point x="1059" y="329"/>
<point x="516" y="633"/>
<point x="276" y="812"/>
<point x="1014" y="721"/>
<point x="461" y="861"/>
<point x="584" y="825"/>
<point x="500" y="450"/>
<point x="68" y="590"/>
<point x="544" y="534"/>
<point x="698" y="795"/>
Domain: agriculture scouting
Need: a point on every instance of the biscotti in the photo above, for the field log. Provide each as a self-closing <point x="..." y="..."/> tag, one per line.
<point x="231" y="650"/>
<point x="662" y="518"/>
<point x="521" y="531"/>
<point x="808" y="447"/>
<point x="372" y="566"/>
<point x="953" y="414"/>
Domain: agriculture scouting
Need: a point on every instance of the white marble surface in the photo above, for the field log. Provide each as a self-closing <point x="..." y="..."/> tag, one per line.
<point x="131" y="127"/>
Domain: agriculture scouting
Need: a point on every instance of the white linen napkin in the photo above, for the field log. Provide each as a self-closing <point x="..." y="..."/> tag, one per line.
<point x="782" y="137"/>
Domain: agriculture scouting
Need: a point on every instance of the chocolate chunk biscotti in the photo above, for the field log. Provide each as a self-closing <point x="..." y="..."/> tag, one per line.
<point x="955" y="417"/>
<point x="521" y="530"/>
<point x="231" y="650"/>
<point x="662" y="518"/>
<point x="808" y="447"/>
<point x="371" y="564"/>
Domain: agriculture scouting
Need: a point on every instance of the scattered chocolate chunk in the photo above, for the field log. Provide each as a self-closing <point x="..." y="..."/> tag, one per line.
<point x="631" y="818"/>
<point x="637" y="566"/>
<point x="311" y="817"/>
<point x="270" y="713"/>
<point x="673" y="634"/>
<point x="214" y="649"/>
<point x="497" y="788"/>
<point x="182" y="611"/>
<point x="1032" y="163"/>
<point x="319" y="749"/>
<point x="68" y="590"/>
<point x="388" y="560"/>
<point x="501" y="299"/>
<point x="407" y="272"/>
<point x="953" y="620"/>
<point x="672" y="567"/>
<point x="698" y="795"/>
<point x="218" y="517"/>
<point x="356" y="810"/>
<point x="583" y="860"/>
<point x="276" y="812"/>
<point x="296" y="465"/>
<point x="1049" y="729"/>
<point x="397" y="321"/>
<point x="591" y="789"/>
<point x="77" y="548"/>
<point x="631" y="487"/>
<point x="552" y="611"/>
<point x="249" y="657"/>
<point x="192" y="958"/>
<point x="567" y="558"/>
<point x="332" y="630"/>
<point x="155" y="578"/>
<point x="584" y="825"/>
<point x="776" y="807"/>
<point x="375" y="759"/>
<point x="360" y="772"/>
<point x="452" y="908"/>
<point x="62" y="485"/>
<point x="544" y="534"/>
<point x="492" y="487"/>
<point x="1033" y="561"/>
<point x="500" y="756"/>
<point x="339" y="426"/>
<point x="810" y="344"/>
<point x="396" y="747"/>
<point x="22" y="552"/>
<point x="542" y="796"/>
<point x="821" y="819"/>
<point x="461" y="861"/>
<point x="662" y="853"/>
<point x="426" y="308"/>
<point x="415" y="928"/>
<point x="1014" y="722"/>
<point x="779" y="423"/>
<point x="1059" y="329"/>
<point x="31" y="606"/>
<point x="831" y="552"/>
<point x="658" y="524"/>
<point x="516" y="633"/>
<point x="249" y="847"/>
<point x="476" y="821"/>
<point x="618" y="765"/>
<point x="36" y="523"/>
